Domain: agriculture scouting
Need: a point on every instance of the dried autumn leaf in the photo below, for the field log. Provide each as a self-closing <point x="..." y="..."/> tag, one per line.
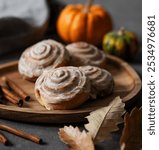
<point x="76" y="139"/>
<point x="132" y="133"/>
<point x="105" y="120"/>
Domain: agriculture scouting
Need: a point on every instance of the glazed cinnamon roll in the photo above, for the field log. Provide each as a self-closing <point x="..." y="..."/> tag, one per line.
<point x="35" y="59"/>
<point x="62" y="88"/>
<point x="83" y="54"/>
<point x="101" y="80"/>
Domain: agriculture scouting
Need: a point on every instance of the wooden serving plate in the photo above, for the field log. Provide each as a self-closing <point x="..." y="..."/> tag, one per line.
<point x="127" y="86"/>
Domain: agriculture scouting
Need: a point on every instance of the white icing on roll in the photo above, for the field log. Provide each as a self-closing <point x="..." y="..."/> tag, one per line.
<point x="47" y="53"/>
<point x="101" y="80"/>
<point x="61" y="84"/>
<point x="83" y="53"/>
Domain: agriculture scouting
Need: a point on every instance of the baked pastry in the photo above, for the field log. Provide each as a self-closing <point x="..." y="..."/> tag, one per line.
<point x="83" y="54"/>
<point x="62" y="88"/>
<point x="35" y="59"/>
<point x="101" y="80"/>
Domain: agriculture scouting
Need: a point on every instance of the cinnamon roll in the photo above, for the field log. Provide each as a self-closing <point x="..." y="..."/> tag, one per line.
<point x="35" y="59"/>
<point x="83" y="54"/>
<point x="62" y="88"/>
<point x="101" y="80"/>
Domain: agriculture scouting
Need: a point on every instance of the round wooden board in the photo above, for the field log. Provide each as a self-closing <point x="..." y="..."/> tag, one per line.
<point x="127" y="86"/>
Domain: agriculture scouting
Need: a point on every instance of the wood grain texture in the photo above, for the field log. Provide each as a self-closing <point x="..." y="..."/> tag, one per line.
<point x="127" y="86"/>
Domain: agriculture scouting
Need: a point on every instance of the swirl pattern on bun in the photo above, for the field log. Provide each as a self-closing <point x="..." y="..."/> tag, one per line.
<point x="35" y="59"/>
<point x="83" y="54"/>
<point x="62" y="88"/>
<point x="101" y="80"/>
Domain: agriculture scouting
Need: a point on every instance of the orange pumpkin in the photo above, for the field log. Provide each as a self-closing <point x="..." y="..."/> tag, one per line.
<point x="87" y="23"/>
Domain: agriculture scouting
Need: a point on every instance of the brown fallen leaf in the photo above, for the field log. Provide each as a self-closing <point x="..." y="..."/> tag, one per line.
<point x="75" y="139"/>
<point x="132" y="133"/>
<point x="105" y="120"/>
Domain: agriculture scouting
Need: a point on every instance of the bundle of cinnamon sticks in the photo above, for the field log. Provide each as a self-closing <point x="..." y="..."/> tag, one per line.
<point x="19" y="133"/>
<point x="10" y="91"/>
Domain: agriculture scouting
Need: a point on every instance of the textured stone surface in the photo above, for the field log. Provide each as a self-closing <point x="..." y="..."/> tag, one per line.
<point x="22" y="23"/>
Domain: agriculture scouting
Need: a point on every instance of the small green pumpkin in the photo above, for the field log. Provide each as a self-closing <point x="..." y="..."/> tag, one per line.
<point x="123" y="44"/>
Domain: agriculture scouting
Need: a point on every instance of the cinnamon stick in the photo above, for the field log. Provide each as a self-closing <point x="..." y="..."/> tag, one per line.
<point x="18" y="102"/>
<point x="1" y="96"/>
<point x="21" y="133"/>
<point x="3" y="139"/>
<point x="12" y="85"/>
<point x="10" y="96"/>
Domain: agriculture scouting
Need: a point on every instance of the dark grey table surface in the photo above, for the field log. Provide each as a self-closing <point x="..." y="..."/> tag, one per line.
<point x="125" y="13"/>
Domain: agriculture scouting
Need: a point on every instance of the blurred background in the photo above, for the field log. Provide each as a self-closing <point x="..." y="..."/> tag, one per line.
<point x="23" y="24"/>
